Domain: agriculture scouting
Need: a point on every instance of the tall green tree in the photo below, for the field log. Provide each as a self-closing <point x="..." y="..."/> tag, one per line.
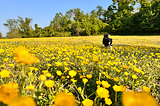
<point x="100" y="11"/>
<point x="1" y="35"/>
<point x="25" y="29"/>
<point x="13" y="27"/>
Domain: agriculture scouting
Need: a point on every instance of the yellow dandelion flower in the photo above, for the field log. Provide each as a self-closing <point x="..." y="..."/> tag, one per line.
<point x="105" y="84"/>
<point x="72" y="63"/>
<point x="67" y="59"/>
<point x="49" y="83"/>
<point x="6" y="59"/>
<point x="80" y="89"/>
<point x="95" y="59"/>
<point x="102" y="92"/>
<point x="116" y="79"/>
<point x="58" y="63"/>
<point x="85" y="80"/>
<point x="45" y="71"/>
<point x="124" y="66"/>
<point x="49" y="65"/>
<point x="134" y="76"/>
<point x="31" y="68"/>
<point x="146" y="89"/>
<point x="53" y="57"/>
<point x="108" y="101"/>
<point x="82" y="76"/>
<point x="107" y="76"/>
<point x="138" y="99"/>
<point x="89" y="76"/>
<point x="59" y="73"/>
<point x="66" y="69"/>
<point x="98" y="82"/>
<point x="42" y="77"/>
<point x="8" y="91"/>
<point x="30" y="73"/>
<point x="101" y="67"/>
<point x="23" y="56"/>
<point x="48" y="74"/>
<point x="22" y="101"/>
<point x="126" y="73"/>
<point x="11" y="65"/>
<point x="84" y="70"/>
<point x="63" y="77"/>
<point x="73" y="80"/>
<point x="72" y="73"/>
<point x="5" y="73"/>
<point x="87" y="102"/>
<point x="64" y="99"/>
<point x="117" y="88"/>
<point x="30" y="87"/>
<point x="36" y="69"/>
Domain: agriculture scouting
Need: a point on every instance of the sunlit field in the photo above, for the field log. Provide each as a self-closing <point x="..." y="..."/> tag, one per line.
<point x="79" y="71"/>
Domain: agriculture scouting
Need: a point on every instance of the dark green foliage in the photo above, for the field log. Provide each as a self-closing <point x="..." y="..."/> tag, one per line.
<point x="1" y="35"/>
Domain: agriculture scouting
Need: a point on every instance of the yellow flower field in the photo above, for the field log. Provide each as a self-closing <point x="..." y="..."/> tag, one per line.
<point x="79" y="71"/>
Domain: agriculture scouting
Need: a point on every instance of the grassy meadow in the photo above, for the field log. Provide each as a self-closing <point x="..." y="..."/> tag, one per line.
<point x="79" y="71"/>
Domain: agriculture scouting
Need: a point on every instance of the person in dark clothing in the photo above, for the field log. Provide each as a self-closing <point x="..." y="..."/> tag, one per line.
<point x="107" y="41"/>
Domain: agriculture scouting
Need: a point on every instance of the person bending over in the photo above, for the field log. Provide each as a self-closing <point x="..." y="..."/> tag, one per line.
<point x="107" y="41"/>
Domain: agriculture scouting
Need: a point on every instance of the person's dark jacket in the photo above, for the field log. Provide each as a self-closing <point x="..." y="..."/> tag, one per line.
<point x="107" y="41"/>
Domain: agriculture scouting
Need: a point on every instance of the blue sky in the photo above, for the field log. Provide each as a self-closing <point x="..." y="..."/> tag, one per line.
<point x="43" y="11"/>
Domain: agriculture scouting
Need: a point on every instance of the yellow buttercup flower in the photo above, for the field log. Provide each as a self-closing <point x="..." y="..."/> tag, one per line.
<point x="58" y="63"/>
<point x="105" y="84"/>
<point x="126" y="73"/>
<point x="116" y="79"/>
<point x="72" y="73"/>
<point x="95" y="59"/>
<point x="72" y="63"/>
<point x="123" y="88"/>
<point x="138" y="99"/>
<point x="49" y="65"/>
<point x="49" y="83"/>
<point x="59" y="73"/>
<point x="124" y="66"/>
<point x="117" y="88"/>
<point x="30" y="73"/>
<point x="82" y="76"/>
<point x="42" y="77"/>
<point x="67" y="59"/>
<point x="23" y="56"/>
<point x="30" y="87"/>
<point x="48" y="74"/>
<point x="89" y="76"/>
<point x="22" y="101"/>
<point x="98" y="82"/>
<point x="146" y="89"/>
<point x="108" y="101"/>
<point x="84" y="70"/>
<point x="85" y="80"/>
<point x="102" y="92"/>
<point x="87" y="102"/>
<point x="4" y="73"/>
<point x="45" y="71"/>
<point x="73" y="80"/>
<point x="64" y="99"/>
<point x="6" y="59"/>
<point x="8" y="91"/>
<point x="134" y="76"/>
<point x="107" y="76"/>
<point x="63" y="77"/>
<point x="11" y="65"/>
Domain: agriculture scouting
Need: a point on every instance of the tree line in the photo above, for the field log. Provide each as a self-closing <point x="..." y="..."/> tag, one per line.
<point x="120" y="18"/>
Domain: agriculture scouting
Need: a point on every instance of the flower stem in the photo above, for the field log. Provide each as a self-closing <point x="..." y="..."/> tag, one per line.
<point x="116" y="99"/>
